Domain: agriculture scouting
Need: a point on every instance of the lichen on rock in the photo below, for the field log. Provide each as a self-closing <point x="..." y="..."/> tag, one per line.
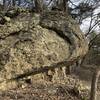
<point x="31" y="42"/>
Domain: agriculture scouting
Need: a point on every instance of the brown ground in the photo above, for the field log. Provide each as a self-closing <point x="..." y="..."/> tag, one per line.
<point x="40" y="92"/>
<point x="43" y="90"/>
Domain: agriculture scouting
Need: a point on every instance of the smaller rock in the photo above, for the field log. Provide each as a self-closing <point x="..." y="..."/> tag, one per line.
<point x="7" y="19"/>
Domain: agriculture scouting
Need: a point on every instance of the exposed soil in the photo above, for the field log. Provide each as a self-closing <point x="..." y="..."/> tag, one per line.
<point x="62" y="90"/>
<point x="39" y="91"/>
<point x="43" y="90"/>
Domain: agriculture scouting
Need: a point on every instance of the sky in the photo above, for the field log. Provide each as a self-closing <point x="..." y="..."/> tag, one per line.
<point x="86" y="23"/>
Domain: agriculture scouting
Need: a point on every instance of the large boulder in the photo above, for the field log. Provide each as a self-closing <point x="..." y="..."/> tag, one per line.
<point x="32" y="41"/>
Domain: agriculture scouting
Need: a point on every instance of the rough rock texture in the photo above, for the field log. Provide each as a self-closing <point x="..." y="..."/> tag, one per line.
<point x="30" y="41"/>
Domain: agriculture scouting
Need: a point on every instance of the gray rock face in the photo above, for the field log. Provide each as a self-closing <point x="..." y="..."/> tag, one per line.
<point x="33" y="41"/>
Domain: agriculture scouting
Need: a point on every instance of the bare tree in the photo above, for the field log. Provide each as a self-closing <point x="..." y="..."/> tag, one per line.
<point x="62" y="5"/>
<point x="4" y="2"/>
<point x="19" y="2"/>
<point x="13" y="2"/>
<point x="95" y="77"/>
<point x="39" y="6"/>
<point x="65" y="5"/>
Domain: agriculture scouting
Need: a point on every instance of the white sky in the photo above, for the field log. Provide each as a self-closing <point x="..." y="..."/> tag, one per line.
<point x="86" y="23"/>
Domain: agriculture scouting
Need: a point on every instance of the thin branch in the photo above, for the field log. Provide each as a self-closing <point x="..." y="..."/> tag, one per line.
<point x="91" y="41"/>
<point x="73" y="3"/>
<point x="49" y="2"/>
<point x="90" y="23"/>
<point x="92" y="28"/>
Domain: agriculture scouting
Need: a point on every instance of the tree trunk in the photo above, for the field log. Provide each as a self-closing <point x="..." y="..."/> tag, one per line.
<point x="95" y="77"/>
<point x="19" y="2"/>
<point x="13" y="2"/>
<point x="39" y="6"/>
<point x="4" y="3"/>
<point x="62" y="5"/>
